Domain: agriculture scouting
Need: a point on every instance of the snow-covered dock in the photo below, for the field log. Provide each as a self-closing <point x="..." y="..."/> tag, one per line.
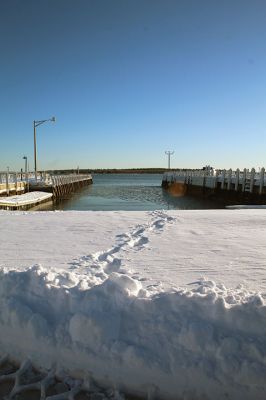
<point x="228" y="186"/>
<point x="14" y="183"/>
<point x="61" y="185"/>
<point x="24" y="201"/>
<point x="164" y="305"/>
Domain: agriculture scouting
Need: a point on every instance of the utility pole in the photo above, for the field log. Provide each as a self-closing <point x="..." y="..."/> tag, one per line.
<point x="169" y="154"/>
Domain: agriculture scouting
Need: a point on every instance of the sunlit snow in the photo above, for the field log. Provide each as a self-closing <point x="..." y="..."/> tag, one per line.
<point x="160" y="304"/>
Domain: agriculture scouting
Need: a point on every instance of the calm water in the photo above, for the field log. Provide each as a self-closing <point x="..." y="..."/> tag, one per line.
<point x="127" y="192"/>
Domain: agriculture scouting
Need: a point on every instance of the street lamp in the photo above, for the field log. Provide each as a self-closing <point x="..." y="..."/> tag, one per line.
<point x="26" y="163"/>
<point x="26" y="171"/>
<point x="35" y="124"/>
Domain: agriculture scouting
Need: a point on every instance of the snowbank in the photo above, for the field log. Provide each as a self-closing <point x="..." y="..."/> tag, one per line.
<point x="100" y="321"/>
<point x="205" y="341"/>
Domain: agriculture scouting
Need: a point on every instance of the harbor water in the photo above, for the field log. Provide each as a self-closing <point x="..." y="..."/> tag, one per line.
<point x="127" y="192"/>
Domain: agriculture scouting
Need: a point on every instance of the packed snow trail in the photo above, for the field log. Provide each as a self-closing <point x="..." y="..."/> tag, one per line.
<point x="227" y="246"/>
<point x="101" y="264"/>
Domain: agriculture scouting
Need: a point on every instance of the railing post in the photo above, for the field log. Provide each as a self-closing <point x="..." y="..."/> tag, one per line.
<point x="16" y="182"/>
<point x="216" y="179"/>
<point x="237" y="180"/>
<point x="223" y="179"/>
<point x="252" y="176"/>
<point x="229" y="180"/>
<point x="204" y="179"/>
<point x="244" y="177"/>
<point x="262" y="171"/>
<point x="7" y="184"/>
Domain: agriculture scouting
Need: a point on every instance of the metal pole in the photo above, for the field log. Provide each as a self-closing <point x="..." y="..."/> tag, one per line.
<point x="35" y="151"/>
<point x="169" y="153"/>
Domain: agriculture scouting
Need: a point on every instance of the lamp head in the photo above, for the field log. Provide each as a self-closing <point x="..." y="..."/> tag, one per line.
<point x="25" y="158"/>
<point x="52" y="119"/>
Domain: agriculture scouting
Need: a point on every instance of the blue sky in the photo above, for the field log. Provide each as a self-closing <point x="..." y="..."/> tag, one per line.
<point x="129" y="79"/>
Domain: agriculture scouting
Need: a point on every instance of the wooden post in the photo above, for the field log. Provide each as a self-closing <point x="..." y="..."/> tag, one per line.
<point x="262" y="171"/>
<point x="223" y="179"/>
<point x="252" y="176"/>
<point x="204" y="179"/>
<point x="52" y="180"/>
<point x="16" y="183"/>
<point x="237" y="180"/>
<point x="229" y="180"/>
<point x="7" y="184"/>
<point x="244" y="177"/>
<point x="216" y="179"/>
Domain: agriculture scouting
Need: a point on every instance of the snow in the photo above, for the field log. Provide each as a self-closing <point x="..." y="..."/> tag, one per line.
<point x="160" y="304"/>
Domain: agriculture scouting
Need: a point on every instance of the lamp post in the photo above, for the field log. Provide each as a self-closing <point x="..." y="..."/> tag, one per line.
<point x="26" y="164"/>
<point x="26" y="171"/>
<point x="35" y="124"/>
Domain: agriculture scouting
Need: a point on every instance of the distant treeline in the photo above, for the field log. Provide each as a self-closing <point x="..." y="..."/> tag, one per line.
<point x="111" y="171"/>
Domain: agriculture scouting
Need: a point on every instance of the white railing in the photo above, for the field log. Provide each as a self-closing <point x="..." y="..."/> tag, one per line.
<point x="13" y="177"/>
<point x="19" y="182"/>
<point x="236" y="180"/>
<point x="58" y="180"/>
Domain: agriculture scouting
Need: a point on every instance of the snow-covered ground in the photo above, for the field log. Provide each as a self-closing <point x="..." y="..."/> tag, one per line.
<point x="161" y="304"/>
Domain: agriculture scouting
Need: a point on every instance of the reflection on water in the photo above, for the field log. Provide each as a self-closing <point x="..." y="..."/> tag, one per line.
<point x="127" y="192"/>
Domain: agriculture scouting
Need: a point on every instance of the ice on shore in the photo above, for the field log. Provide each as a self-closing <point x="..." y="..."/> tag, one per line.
<point x="99" y="319"/>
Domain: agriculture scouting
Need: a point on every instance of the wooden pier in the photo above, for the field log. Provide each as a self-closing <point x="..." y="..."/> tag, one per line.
<point x="58" y="186"/>
<point x="12" y="183"/>
<point x="227" y="186"/>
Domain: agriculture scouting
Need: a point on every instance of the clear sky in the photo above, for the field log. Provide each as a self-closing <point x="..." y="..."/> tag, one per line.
<point x="129" y="79"/>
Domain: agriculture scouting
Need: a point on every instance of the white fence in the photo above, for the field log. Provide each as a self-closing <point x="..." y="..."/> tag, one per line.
<point x="16" y="182"/>
<point x="236" y="180"/>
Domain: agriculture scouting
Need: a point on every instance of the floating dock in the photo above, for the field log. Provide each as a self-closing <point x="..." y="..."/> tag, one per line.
<point x="227" y="186"/>
<point x="24" y="201"/>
